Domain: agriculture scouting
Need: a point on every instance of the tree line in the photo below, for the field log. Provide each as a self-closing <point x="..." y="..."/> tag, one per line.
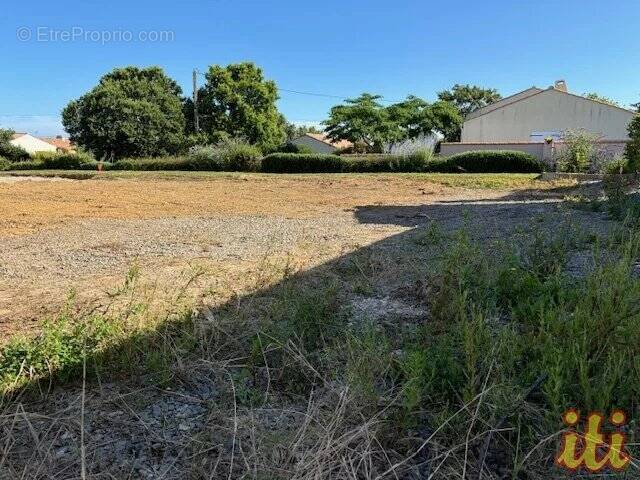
<point x="137" y="112"/>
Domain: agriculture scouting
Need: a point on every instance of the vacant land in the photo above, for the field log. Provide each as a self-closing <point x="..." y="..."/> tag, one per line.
<point x="308" y="327"/>
<point x="60" y="236"/>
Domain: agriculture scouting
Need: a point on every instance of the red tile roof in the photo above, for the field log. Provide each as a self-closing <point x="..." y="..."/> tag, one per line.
<point x="322" y="137"/>
<point x="60" y="143"/>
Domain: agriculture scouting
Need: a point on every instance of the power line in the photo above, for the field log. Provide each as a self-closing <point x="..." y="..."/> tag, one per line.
<point x="316" y="94"/>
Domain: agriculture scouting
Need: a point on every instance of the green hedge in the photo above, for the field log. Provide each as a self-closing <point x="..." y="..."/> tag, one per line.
<point x="153" y="163"/>
<point x="488" y="161"/>
<point x="473" y="162"/>
<point x="301" y="163"/>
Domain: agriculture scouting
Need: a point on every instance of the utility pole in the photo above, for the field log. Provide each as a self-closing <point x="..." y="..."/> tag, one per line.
<point x="196" y="120"/>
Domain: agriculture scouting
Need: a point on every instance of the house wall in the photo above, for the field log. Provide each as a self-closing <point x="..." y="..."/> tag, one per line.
<point x="315" y="145"/>
<point x="548" y="111"/>
<point x="32" y="144"/>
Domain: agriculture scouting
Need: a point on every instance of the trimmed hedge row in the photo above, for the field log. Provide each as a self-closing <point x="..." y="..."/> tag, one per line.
<point x="301" y="163"/>
<point x="490" y="161"/>
<point x="472" y="162"/>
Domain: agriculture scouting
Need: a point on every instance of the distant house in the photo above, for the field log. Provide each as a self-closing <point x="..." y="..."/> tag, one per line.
<point x="44" y="144"/>
<point x="62" y="144"/>
<point x="526" y="119"/>
<point x="320" y="143"/>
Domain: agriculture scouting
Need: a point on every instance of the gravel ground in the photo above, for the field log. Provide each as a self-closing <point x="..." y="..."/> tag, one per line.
<point x="139" y="432"/>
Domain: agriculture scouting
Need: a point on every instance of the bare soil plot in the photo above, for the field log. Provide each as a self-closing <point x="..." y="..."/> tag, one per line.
<point x="225" y="245"/>
<point x="61" y="235"/>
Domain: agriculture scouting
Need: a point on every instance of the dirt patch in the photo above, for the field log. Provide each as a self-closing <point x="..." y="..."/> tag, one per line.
<point x="60" y="237"/>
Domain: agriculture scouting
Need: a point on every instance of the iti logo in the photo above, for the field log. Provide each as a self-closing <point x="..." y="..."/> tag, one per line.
<point x="592" y="450"/>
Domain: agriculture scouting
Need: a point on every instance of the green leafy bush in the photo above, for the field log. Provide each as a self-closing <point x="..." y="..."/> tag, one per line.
<point x="302" y="163"/>
<point x="240" y="156"/>
<point x="153" y="163"/>
<point x="579" y="153"/>
<point x="56" y="161"/>
<point x="487" y="161"/>
<point x="632" y="149"/>
<point x="68" y="161"/>
<point x="616" y="166"/>
<point x="206" y="157"/>
<point x="13" y="153"/>
<point x="26" y="165"/>
<point x="415" y="162"/>
<point x="4" y="163"/>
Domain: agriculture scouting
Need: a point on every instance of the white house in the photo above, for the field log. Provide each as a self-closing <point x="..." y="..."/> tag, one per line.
<point x="534" y="113"/>
<point x="32" y="144"/>
<point x="320" y="143"/>
<point x="524" y="121"/>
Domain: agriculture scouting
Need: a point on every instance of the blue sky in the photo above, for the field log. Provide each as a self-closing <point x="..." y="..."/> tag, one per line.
<point x="333" y="47"/>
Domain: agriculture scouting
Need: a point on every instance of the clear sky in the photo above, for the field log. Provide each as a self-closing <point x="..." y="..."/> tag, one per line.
<point x="342" y="48"/>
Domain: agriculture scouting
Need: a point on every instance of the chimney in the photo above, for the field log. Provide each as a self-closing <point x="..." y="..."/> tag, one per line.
<point x="560" y="85"/>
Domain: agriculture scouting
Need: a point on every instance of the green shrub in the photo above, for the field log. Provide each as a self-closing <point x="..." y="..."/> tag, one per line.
<point x="616" y="166"/>
<point x="240" y="157"/>
<point x="13" y="153"/>
<point x="487" y="161"/>
<point x="632" y="149"/>
<point x="153" y="163"/>
<point x="206" y="157"/>
<point x="4" y="164"/>
<point x="68" y="161"/>
<point x="26" y="165"/>
<point x="579" y="153"/>
<point x="301" y="163"/>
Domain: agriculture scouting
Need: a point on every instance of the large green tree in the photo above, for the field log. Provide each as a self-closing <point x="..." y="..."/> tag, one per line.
<point x="364" y="120"/>
<point x="131" y="112"/>
<point x="237" y="101"/>
<point x="468" y="98"/>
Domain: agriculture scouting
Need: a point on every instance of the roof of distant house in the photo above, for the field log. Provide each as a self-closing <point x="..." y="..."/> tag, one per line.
<point x="59" y="142"/>
<point x="324" y="138"/>
<point x="560" y="86"/>
<point x="17" y="135"/>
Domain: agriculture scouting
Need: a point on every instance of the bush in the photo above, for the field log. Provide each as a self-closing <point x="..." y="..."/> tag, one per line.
<point x="241" y="157"/>
<point x="26" y="165"/>
<point x="205" y="157"/>
<point x="321" y="163"/>
<point x="67" y="161"/>
<point x="632" y="149"/>
<point x="230" y="155"/>
<point x="579" y="152"/>
<point x="153" y="163"/>
<point x="13" y="153"/>
<point x="301" y="163"/>
<point x="616" y="166"/>
<point x="487" y="161"/>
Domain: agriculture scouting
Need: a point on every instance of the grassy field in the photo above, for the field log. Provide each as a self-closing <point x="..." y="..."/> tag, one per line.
<point x="393" y="326"/>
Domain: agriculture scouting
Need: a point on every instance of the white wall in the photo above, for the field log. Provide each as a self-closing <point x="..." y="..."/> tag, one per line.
<point x="315" y="145"/>
<point x="547" y="111"/>
<point x="32" y="144"/>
